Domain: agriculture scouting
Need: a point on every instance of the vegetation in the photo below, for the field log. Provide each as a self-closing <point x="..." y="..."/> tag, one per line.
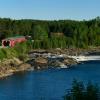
<point x="75" y="33"/>
<point x="80" y="92"/>
<point x="72" y="34"/>
<point x="19" y="51"/>
<point x="49" y="34"/>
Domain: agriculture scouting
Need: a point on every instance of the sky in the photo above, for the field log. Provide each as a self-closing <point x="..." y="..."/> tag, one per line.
<point x="50" y="9"/>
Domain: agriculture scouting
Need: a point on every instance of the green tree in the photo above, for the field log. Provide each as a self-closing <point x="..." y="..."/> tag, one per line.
<point x="40" y="32"/>
<point x="81" y="92"/>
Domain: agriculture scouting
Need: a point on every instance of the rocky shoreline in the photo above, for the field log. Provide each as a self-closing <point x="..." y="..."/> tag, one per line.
<point x="10" y="66"/>
<point x="37" y="60"/>
<point x="41" y="59"/>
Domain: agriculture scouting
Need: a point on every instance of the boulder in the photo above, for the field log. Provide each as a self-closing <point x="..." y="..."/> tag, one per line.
<point x="41" y="61"/>
<point x="69" y="61"/>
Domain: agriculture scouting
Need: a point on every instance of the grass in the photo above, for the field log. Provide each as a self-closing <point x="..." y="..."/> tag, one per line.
<point x="19" y="51"/>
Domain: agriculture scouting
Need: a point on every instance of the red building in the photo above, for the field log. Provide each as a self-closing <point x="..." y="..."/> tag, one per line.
<point x="11" y="42"/>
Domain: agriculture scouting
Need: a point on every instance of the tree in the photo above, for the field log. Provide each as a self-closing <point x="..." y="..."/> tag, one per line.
<point x="77" y="34"/>
<point x="81" y="92"/>
<point x="92" y="92"/>
<point x="40" y="32"/>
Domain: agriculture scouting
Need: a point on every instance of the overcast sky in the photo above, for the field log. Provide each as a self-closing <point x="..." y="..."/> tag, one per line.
<point x="50" y="9"/>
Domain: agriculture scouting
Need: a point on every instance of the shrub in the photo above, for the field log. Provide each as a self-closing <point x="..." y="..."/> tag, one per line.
<point x="20" y="51"/>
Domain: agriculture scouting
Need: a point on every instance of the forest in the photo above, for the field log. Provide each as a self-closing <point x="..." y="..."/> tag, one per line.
<point x="54" y="33"/>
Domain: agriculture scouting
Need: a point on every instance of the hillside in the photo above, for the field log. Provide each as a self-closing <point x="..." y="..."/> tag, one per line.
<point x="54" y="34"/>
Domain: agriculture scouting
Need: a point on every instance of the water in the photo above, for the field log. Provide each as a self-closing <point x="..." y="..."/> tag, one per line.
<point x="49" y="84"/>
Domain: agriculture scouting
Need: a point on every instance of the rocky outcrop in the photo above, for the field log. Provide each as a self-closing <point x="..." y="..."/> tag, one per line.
<point x="69" y="61"/>
<point x="40" y="63"/>
<point x="10" y="66"/>
<point x="37" y="60"/>
<point x="44" y="61"/>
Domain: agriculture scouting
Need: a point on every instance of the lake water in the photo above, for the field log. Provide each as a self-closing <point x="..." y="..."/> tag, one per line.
<point x="48" y="84"/>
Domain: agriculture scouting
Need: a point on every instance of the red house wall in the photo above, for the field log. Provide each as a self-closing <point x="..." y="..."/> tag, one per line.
<point x="14" y="41"/>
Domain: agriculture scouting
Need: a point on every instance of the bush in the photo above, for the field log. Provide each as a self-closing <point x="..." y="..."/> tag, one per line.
<point x="19" y="51"/>
<point x="2" y="54"/>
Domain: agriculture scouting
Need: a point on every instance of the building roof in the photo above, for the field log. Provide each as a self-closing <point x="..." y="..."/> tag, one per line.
<point x="11" y="38"/>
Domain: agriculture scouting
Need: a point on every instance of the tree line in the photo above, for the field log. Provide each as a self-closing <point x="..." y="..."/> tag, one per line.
<point x="75" y="33"/>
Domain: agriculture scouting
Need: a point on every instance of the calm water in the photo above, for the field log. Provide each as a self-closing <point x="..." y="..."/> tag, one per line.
<point x="48" y="84"/>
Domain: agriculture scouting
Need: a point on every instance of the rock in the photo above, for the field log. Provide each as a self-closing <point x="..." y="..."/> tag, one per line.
<point x="24" y="67"/>
<point x="16" y="60"/>
<point x="55" y="63"/>
<point x="41" y="61"/>
<point x="69" y="61"/>
<point x="66" y="61"/>
<point x="63" y="65"/>
<point x="10" y="66"/>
